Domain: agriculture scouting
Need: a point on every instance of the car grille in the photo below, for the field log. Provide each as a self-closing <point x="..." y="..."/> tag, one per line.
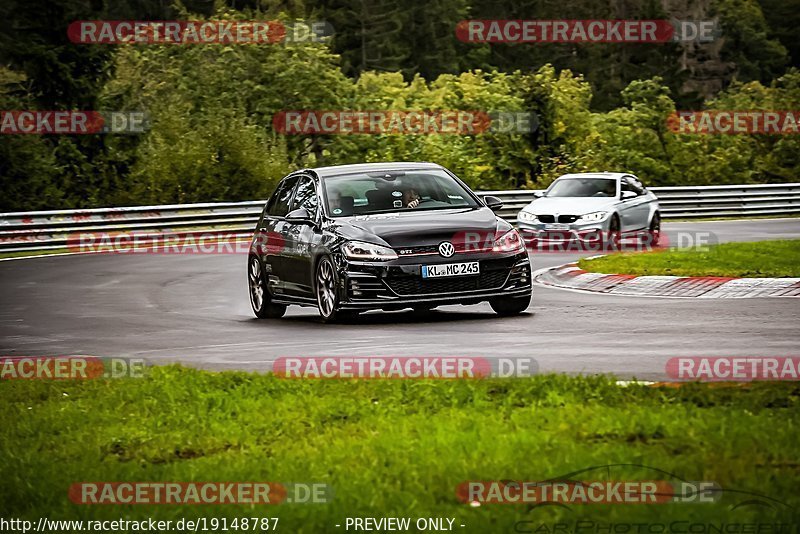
<point x="561" y="218"/>
<point x="556" y="235"/>
<point x="410" y="251"/>
<point x="412" y="285"/>
<point x="482" y="245"/>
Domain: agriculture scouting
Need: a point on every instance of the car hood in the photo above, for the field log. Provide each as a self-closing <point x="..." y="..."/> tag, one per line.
<point x="420" y="228"/>
<point x="569" y="205"/>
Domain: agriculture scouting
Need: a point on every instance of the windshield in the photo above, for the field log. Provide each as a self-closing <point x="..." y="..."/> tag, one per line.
<point x="583" y="187"/>
<point x="389" y="191"/>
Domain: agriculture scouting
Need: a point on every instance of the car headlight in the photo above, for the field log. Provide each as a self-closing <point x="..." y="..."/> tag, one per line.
<point x="359" y="250"/>
<point x="526" y="216"/>
<point x="596" y="216"/>
<point x="509" y="242"/>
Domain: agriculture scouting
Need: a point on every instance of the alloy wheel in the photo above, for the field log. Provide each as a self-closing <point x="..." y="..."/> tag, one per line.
<point x="326" y="290"/>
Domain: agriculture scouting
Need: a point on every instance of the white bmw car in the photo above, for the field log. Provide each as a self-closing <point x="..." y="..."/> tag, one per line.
<point x="592" y="207"/>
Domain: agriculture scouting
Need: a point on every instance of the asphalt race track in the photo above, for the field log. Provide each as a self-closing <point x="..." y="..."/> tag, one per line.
<point x="194" y="309"/>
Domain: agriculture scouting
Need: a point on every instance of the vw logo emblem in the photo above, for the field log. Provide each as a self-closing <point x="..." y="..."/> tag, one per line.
<point x="446" y="249"/>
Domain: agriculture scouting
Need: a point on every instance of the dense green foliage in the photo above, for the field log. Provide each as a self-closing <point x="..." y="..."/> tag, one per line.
<point x="600" y="107"/>
<point x="399" y="447"/>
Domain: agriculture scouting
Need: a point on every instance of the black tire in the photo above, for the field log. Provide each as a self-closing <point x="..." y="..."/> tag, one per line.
<point x="611" y="239"/>
<point x="325" y="283"/>
<point x="260" y="299"/>
<point x="508" y="306"/>
<point x="654" y="231"/>
<point x="423" y="310"/>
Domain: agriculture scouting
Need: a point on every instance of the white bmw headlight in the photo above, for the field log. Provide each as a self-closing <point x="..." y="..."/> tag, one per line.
<point x="359" y="250"/>
<point x="526" y="216"/>
<point x="592" y="217"/>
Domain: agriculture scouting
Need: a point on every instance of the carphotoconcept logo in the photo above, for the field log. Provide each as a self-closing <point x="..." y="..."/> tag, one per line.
<point x="586" y="31"/>
<point x="403" y="122"/>
<point x="192" y="32"/>
<point x="391" y="367"/>
<point x="73" y="122"/>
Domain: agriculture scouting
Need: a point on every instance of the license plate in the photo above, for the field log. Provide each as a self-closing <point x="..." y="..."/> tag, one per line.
<point x="451" y="269"/>
<point x="556" y="227"/>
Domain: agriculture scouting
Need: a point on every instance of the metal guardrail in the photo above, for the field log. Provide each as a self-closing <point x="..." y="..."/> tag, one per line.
<point x="49" y="230"/>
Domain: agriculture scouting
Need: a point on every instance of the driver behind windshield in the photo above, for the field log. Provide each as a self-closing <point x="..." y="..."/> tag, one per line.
<point x="609" y="189"/>
<point x="411" y="198"/>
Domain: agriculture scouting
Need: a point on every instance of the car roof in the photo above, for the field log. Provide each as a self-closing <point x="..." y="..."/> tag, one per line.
<point x="335" y="170"/>
<point x="613" y="175"/>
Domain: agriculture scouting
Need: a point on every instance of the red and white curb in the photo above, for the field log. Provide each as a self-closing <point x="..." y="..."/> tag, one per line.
<point x="570" y="276"/>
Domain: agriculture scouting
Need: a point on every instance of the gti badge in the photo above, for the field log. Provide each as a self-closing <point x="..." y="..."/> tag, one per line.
<point x="446" y="249"/>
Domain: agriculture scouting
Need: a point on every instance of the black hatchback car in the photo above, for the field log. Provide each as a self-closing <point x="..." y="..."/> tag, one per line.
<point x="351" y="238"/>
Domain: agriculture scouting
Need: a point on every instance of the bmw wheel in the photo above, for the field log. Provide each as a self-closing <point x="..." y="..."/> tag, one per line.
<point x="655" y="229"/>
<point x="260" y="299"/>
<point x="611" y="240"/>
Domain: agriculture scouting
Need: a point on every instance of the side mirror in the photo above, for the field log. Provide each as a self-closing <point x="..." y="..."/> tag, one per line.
<point x="493" y="203"/>
<point x="538" y="194"/>
<point x="627" y="195"/>
<point x="299" y="216"/>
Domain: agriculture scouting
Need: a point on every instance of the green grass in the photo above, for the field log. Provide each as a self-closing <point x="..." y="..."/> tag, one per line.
<point x="734" y="218"/>
<point x="770" y="259"/>
<point x="394" y="447"/>
<point x="25" y="253"/>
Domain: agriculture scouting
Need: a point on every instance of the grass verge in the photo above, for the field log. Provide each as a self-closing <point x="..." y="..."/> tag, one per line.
<point x="26" y="253"/>
<point x="397" y="447"/>
<point x="769" y="259"/>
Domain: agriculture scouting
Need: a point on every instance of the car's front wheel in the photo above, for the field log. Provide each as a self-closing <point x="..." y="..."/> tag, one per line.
<point x="325" y="288"/>
<point x="611" y="239"/>
<point x="654" y="230"/>
<point x="507" y="306"/>
<point x="260" y="299"/>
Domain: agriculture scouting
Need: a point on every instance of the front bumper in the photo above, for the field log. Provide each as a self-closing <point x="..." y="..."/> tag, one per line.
<point x="399" y="284"/>
<point x="563" y="232"/>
